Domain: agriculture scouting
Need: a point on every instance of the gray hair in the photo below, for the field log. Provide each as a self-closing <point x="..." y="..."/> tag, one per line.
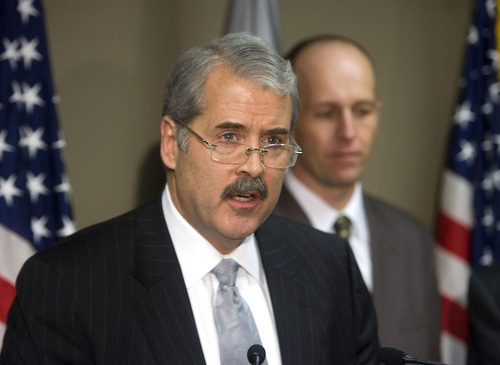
<point x="247" y="56"/>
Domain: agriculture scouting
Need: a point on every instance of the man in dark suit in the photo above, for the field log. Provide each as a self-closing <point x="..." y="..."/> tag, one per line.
<point x="336" y="126"/>
<point x="484" y="316"/>
<point x="143" y="288"/>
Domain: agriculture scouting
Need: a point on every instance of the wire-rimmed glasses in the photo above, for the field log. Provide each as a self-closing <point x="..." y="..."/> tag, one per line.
<point x="277" y="156"/>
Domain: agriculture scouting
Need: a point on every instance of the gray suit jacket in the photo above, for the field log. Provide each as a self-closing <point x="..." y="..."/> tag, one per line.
<point x="114" y="294"/>
<point x="405" y="286"/>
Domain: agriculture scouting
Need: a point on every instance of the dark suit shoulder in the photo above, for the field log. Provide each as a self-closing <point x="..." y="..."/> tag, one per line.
<point x="77" y="294"/>
<point x="489" y="277"/>
<point x="306" y="244"/>
<point x="318" y="271"/>
<point x="484" y="315"/>
<point x="299" y="232"/>
<point x="112" y="226"/>
<point x="93" y="248"/>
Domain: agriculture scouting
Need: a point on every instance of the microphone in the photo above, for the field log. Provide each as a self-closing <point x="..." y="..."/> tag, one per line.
<point x="392" y="356"/>
<point x="256" y="354"/>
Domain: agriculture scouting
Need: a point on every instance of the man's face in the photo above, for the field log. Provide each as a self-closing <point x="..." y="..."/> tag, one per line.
<point x="233" y="109"/>
<point x="338" y="114"/>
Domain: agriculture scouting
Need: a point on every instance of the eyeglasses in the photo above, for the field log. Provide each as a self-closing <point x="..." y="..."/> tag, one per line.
<point x="277" y="156"/>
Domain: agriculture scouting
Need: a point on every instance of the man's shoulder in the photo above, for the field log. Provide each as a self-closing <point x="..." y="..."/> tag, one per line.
<point x="282" y="223"/>
<point x="288" y="207"/>
<point x="388" y="213"/>
<point x="105" y="235"/>
<point x="489" y="274"/>
<point x="301" y="236"/>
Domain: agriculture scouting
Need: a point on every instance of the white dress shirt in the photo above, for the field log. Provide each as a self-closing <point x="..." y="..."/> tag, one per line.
<point x="197" y="257"/>
<point x="322" y="216"/>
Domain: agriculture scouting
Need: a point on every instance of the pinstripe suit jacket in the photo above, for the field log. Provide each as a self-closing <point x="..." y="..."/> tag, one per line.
<point x="484" y="316"/>
<point x="114" y="294"/>
<point x="405" y="286"/>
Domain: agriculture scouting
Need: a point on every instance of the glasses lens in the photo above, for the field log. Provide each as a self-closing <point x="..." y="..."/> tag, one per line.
<point x="229" y="152"/>
<point x="277" y="156"/>
<point x="280" y="156"/>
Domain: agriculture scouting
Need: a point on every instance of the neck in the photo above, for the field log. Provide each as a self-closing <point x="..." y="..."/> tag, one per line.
<point x="337" y="196"/>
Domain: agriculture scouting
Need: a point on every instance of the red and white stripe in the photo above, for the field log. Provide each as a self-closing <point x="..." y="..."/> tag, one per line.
<point x="455" y="223"/>
<point x="14" y="251"/>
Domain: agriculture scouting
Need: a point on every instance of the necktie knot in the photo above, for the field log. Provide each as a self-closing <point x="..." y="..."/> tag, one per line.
<point x="225" y="271"/>
<point x="342" y="227"/>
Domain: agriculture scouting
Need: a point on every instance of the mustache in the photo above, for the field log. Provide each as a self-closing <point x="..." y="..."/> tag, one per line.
<point x="244" y="184"/>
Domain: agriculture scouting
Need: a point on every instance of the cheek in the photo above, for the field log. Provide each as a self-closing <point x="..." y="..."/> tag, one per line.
<point x="316" y="133"/>
<point x="208" y="177"/>
<point x="274" y="181"/>
<point x="367" y="135"/>
<point x="195" y="176"/>
<point x="213" y="178"/>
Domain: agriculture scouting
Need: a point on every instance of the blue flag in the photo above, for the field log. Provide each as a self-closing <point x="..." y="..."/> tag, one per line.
<point x="34" y="190"/>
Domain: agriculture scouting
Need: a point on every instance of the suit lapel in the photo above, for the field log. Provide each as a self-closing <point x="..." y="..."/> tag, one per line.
<point x="289" y="298"/>
<point x="384" y="251"/>
<point x="288" y="207"/>
<point x="160" y="296"/>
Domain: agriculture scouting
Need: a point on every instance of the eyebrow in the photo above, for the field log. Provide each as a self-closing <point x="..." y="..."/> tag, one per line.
<point x="278" y="130"/>
<point x="372" y="102"/>
<point x="230" y="125"/>
<point x="233" y="125"/>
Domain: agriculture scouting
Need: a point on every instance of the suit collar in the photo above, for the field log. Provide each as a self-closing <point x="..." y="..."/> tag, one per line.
<point x="377" y="224"/>
<point x="274" y="253"/>
<point x="287" y="206"/>
<point x="160" y="296"/>
<point x="385" y="250"/>
<point x="289" y="295"/>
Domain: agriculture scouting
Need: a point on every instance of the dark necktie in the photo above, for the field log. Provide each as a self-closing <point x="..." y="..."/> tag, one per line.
<point x="342" y="227"/>
<point x="234" y="321"/>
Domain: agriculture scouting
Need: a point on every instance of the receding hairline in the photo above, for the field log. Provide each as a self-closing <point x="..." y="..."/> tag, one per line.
<point x="303" y="46"/>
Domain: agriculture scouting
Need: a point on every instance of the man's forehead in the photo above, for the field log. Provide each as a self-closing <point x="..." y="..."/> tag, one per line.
<point x="371" y="102"/>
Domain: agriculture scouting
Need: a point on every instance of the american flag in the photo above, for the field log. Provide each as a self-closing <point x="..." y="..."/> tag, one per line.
<point x="34" y="190"/>
<point x="468" y="231"/>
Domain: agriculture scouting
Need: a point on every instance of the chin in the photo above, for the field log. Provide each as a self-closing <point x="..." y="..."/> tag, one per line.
<point x="239" y="229"/>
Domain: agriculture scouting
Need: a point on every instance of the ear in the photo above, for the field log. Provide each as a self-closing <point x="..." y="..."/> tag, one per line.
<point x="168" y="147"/>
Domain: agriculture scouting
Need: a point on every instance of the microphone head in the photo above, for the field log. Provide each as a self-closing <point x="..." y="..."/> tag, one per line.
<point x="391" y="356"/>
<point x="256" y="354"/>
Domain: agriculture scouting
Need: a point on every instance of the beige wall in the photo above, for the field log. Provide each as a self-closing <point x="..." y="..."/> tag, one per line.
<point x="110" y="59"/>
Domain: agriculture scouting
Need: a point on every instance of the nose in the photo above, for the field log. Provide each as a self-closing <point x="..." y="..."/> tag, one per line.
<point x="253" y="164"/>
<point x="347" y="127"/>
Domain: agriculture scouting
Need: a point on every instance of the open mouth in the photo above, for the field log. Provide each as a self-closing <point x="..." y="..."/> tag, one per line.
<point x="246" y="189"/>
<point x="243" y="197"/>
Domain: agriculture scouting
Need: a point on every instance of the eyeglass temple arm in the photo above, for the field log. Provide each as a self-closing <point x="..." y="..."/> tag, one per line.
<point x="197" y="135"/>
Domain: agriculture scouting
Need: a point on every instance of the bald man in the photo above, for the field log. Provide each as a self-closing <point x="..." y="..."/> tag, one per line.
<point x="336" y="127"/>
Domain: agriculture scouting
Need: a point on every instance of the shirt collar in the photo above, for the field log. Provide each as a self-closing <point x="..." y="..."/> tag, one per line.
<point x="321" y="214"/>
<point x="197" y="257"/>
